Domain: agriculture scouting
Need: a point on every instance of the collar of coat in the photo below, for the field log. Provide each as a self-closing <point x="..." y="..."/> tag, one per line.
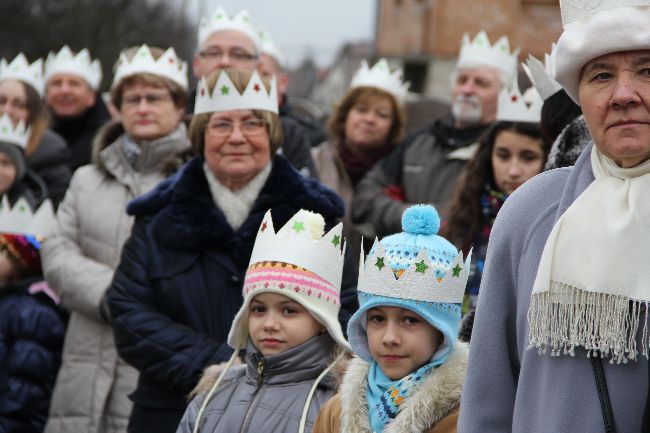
<point x="434" y="399"/>
<point x="185" y="217"/>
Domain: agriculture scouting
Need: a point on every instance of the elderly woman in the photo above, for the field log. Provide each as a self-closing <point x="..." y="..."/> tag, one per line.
<point x="131" y="157"/>
<point x="46" y="153"/>
<point x="179" y="284"/>
<point x="567" y="270"/>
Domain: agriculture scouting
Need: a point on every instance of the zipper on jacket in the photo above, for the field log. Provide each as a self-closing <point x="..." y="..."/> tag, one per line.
<point x="260" y="364"/>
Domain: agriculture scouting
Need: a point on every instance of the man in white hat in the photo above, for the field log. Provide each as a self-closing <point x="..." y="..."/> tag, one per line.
<point x="561" y="338"/>
<point x="425" y="167"/>
<point x="233" y="42"/>
<point x="71" y="85"/>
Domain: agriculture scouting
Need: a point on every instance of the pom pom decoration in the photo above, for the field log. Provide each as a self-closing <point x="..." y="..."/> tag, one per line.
<point x="315" y="224"/>
<point x="421" y="219"/>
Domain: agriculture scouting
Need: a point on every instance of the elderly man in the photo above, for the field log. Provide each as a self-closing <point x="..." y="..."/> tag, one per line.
<point x="232" y="42"/>
<point x="567" y="272"/>
<point x="72" y="81"/>
<point x="425" y="167"/>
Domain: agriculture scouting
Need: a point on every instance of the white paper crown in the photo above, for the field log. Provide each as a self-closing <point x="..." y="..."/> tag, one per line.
<point x="418" y="282"/>
<point x="20" y="219"/>
<point x="20" y="69"/>
<point x="169" y="66"/>
<point x="80" y="64"/>
<point x="542" y="74"/>
<point x="381" y="77"/>
<point x="581" y="10"/>
<point x="515" y="107"/>
<point x="294" y="244"/>
<point x="479" y="52"/>
<point x="220" y="20"/>
<point x="18" y="135"/>
<point x="226" y="97"/>
<point x="270" y="48"/>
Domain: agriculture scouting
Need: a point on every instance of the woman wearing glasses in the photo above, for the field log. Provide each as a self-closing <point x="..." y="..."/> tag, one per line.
<point x="179" y="284"/>
<point x="130" y="157"/>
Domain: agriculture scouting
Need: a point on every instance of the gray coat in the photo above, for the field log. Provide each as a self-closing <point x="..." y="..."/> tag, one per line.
<point x="528" y="392"/>
<point x="272" y="402"/>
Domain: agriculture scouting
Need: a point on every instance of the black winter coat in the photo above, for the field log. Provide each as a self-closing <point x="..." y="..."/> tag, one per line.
<point x="32" y="328"/>
<point x="179" y="284"/>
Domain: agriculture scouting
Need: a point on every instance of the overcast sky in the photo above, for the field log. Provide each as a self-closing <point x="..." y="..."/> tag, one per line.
<point x="306" y="26"/>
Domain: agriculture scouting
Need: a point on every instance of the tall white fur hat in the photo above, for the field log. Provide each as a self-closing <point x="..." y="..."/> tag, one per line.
<point x="480" y="52"/>
<point x="226" y="97"/>
<point x="593" y="28"/>
<point x="381" y="77"/>
<point x="169" y="66"/>
<point x="301" y="263"/>
<point x="79" y="64"/>
<point x="220" y="20"/>
<point x="20" y="69"/>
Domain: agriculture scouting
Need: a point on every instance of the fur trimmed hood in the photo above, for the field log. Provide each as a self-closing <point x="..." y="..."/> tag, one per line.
<point x="434" y="399"/>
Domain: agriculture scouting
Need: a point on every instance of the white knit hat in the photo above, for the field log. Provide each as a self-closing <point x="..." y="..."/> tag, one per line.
<point x="301" y="263"/>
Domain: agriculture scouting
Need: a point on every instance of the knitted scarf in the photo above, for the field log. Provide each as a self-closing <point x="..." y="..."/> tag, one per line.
<point x="593" y="277"/>
<point x="358" y="163"/>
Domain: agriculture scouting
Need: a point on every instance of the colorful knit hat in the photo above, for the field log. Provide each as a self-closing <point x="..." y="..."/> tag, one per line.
<point x="24" y="253"/>
<point x="416" y="270"/>
<point x="301" y="263"/>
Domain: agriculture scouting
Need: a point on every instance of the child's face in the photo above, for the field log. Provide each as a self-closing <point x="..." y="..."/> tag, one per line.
<point x="277" y="323"/>
<point x="7" y="173"/>
<point x="400" y="340"/>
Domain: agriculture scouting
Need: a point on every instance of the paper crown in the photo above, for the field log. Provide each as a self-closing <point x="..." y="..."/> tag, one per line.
<point x="20" y="69"/>
<point x="20" y="218"/>
<point x="270" y="48"/>
<point x="419" y="281"/>
<point x="80" y="64"/>
<point x="479" y="52"/>
<point x="18" y="135"/>
<point x="515" y="107"/>
<point x="542" y="74"/>
<point x="220" y="20"/>
<point x="169" y="66"/>
<point x="226" y="97"/>
<point x="381" y="77"/>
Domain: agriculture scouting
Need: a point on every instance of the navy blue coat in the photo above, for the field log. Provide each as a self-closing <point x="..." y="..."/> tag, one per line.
<point x="178" y="286"/>
<point x="32" y="329"/>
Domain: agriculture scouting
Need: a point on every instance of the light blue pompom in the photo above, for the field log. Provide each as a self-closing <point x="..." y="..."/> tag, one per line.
<point x="421" y="219"/>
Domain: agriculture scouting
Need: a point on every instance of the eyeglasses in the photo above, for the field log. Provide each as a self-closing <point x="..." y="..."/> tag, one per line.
<point x="223" y="128"/>
<point x="151" y="99"/>
<point x="235" y="54"/>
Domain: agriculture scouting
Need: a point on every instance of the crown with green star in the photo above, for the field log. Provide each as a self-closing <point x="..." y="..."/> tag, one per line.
<point x="479" y="52"/>
<point x="416" y="264"/>
<point x="301" y="242"/>
<point x="221" y="20"/>
<point x="21" y="69"/>
<point x="21" y="219"/>
<point x="168" y="65"/>
<point x="17" y="135"/>
<point x="225" y="96"/>
<point x="381" y="77"/>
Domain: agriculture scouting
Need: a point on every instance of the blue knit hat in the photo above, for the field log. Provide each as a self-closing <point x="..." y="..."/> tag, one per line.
<point x="416" y="270"/>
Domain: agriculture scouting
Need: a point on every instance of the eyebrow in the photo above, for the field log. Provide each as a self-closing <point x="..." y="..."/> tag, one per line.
<point x="641" y="60"/>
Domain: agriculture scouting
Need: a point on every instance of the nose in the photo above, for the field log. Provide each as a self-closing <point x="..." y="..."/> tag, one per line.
<point x="514" y="169"/>
<point x="270" y="323"/>
<point x="224" y="61"/>
<point x="143" y="105"/>
<point x="467" y="87"/>
<point x="391" y="335"/>
<point x="625" y="94"/>
<point x="236" y="136"/>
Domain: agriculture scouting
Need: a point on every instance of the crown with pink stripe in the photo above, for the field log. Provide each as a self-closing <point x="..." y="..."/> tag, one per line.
<point x="298" y="261"/>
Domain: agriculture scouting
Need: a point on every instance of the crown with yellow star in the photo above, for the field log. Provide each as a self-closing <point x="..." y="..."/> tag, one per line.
<point x="415" y="270"/>
<point x="517" y="107"/>
<point x="79" y="64"/>
<point x="381" y="77"/>
<point x="301" y="262"/>
<point x="21" y="69"/>
<point x="226" y="97"/>
<point x="17" y="135"/>
<point x="220" y="20"/>
<point x="480" y="52"/>
<point x="541" y="74"/>
<point x="168" y="65"/>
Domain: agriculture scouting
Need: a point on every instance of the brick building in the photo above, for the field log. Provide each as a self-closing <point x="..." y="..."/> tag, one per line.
<point x="423" y="36"/>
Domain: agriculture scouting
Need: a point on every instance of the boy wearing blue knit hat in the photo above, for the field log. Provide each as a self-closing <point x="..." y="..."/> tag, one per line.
<point x="408" y="372"/>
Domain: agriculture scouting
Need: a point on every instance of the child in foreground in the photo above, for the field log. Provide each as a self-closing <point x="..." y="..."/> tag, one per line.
<point x="408" y="372"/>
<point x="288" y="325"/>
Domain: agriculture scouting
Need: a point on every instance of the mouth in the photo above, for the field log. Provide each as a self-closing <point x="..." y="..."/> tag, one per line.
<point x="144" y="122"/>
<point x="627" y="123"/>
<point x="271" y="341"/>
<point x="392" y="358"/>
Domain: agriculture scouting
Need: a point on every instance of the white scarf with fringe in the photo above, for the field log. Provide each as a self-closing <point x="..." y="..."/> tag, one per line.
<point x="594" y="274"/>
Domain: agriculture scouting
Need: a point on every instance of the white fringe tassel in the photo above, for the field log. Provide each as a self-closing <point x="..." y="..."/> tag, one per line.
<point x="566" y="317"/>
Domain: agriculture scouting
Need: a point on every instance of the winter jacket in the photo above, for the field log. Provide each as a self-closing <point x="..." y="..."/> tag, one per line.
<point x="79" y="262"/>
<point x="432" y="408"/>
<point x="50" y="162"/>
<point x="78" y="132"/>
<point x="423" y="169"/>
<point x="31" y="187"/>
<point x="178" y="286"/>
<point x="32" y="328"/>
<point x="509" y="387"/>
<point x="569" y="144"/>
<point x="313" y="129"/>
<point x="267" y="394"/>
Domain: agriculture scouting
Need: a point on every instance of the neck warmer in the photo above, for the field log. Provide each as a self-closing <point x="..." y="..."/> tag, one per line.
<point x="358" y="163"/>
<point x="593" y="277"/>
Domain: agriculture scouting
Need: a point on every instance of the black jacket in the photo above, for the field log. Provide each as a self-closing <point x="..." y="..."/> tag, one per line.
<point x="50" y="162"/>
